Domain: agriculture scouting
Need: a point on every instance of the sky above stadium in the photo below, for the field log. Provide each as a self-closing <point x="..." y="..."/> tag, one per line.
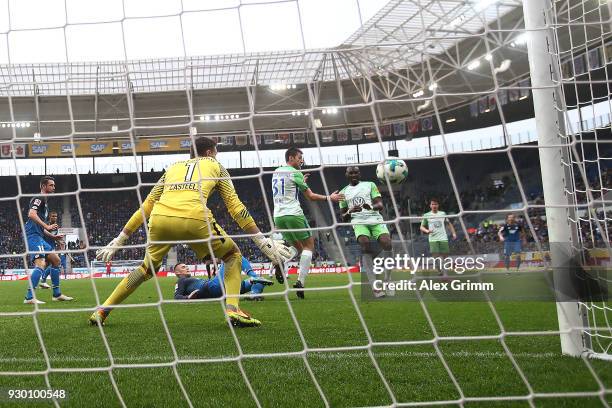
<point x="34" y="31"/>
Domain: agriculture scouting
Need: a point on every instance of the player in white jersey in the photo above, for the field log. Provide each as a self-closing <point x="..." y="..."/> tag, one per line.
<point x="434" y="225"/>
<point x="361" y="206"/>
<point x="287" y="182"/>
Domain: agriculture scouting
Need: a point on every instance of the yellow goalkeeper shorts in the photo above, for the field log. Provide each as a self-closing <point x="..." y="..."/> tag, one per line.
<point x="212" y="239"/>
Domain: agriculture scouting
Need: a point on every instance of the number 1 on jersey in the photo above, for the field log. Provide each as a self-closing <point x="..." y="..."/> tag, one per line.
<point x="190" y="168"/>
<point x="275" y="187"/>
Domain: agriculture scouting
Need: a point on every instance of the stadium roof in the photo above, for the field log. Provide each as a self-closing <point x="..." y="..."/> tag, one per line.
<point x="428" y="26"/>
<point x="403" y="33"/>
<point x="407" y="53"/>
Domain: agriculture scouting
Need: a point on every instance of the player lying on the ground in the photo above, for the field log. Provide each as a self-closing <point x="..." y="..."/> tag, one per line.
<point x="177" y="212"/>
<point x="287" y="182"/>
<point x="193" y="288"/>
<point x="39" y="228"/>
<point x="511" y="234"/>
<point x="361" y="206"/>
<point x="434" y="225"/>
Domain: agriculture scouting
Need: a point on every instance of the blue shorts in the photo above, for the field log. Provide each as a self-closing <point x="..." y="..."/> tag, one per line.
<point x="512" y="247"/>
<point x="38" y="243"/>
<point x="50" y="241"/>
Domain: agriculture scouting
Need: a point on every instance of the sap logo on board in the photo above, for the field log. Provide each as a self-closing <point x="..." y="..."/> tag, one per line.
<point x="185" y="143"/>
<point x="158" y="144"/>
<point x="39" y="148"/>
<point x="67" y="148"/>
<point x="97" y="147"/>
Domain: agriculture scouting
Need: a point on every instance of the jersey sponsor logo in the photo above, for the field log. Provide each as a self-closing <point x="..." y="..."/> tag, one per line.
<point x="358" y="201"/>
<point x="512" y="228"/>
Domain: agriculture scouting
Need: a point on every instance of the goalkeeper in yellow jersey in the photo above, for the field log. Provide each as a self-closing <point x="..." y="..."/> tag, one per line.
<point x="177" y="212"/>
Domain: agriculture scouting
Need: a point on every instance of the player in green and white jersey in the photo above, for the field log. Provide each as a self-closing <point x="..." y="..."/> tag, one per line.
<point x="361" y="206"/>
<point x="434" y="225"/>
<point x="287" y="182"/>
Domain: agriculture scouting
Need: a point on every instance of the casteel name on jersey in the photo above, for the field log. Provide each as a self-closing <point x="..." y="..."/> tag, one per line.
<point x="184" y="186"/>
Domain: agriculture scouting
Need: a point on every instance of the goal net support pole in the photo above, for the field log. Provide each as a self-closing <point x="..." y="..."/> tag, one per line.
<point x="548" y="105"/>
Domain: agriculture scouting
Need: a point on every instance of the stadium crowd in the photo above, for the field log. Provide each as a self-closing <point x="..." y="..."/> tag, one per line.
<point x="105" y="213"/>
<point x="12" y="242"/>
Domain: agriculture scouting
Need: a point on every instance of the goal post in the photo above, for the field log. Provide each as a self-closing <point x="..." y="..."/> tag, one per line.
<point x="555" y="163"/>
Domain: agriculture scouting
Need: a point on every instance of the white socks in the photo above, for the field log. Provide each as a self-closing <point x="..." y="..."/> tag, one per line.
<point x="386" y="255"/>
<point x="367" y="266"/>
<point x="305" y="261"/>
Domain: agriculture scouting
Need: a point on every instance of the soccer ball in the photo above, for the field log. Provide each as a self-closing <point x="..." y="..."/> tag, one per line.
<point x="393" y="169"/>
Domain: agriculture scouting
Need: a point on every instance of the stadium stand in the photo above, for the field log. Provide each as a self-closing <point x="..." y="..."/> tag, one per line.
<point x="104" y="213"/>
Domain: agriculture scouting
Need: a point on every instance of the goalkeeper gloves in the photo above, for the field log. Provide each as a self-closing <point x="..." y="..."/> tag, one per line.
<point x="277" y="252"/>
<point x="292" y="251"/>
<point x="106" y="254"/>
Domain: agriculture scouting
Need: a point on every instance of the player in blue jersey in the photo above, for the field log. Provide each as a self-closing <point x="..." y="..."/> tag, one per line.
<point x="64" y="257"/>
<point x="56" y="241"/>
<point x="37" y="228"/>
<point x="193" y="288"/>
<point x="511" y="234"/>
<point x="51" y="237"/>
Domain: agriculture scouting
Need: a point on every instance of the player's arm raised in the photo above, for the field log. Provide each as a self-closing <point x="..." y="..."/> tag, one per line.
<point x="275" y="251"/>
<point x="300" y="181"/>
<point x="140" y="215"/>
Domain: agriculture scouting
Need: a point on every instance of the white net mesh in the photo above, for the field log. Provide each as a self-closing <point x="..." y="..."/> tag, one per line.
<point x="416" y="68"/>
<point x="587" y="115"/>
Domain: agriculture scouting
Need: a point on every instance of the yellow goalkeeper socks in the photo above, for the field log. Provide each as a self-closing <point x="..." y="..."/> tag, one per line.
<point x="127" y="286"/>
<point x="233" y="264"/>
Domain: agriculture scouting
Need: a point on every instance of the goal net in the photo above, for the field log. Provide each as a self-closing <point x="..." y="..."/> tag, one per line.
<point x="586" y="116"/>
<point x="498" y="108"/>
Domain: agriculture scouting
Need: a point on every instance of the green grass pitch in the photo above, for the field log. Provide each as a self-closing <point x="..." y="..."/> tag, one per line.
<point x="328" y="319"/>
